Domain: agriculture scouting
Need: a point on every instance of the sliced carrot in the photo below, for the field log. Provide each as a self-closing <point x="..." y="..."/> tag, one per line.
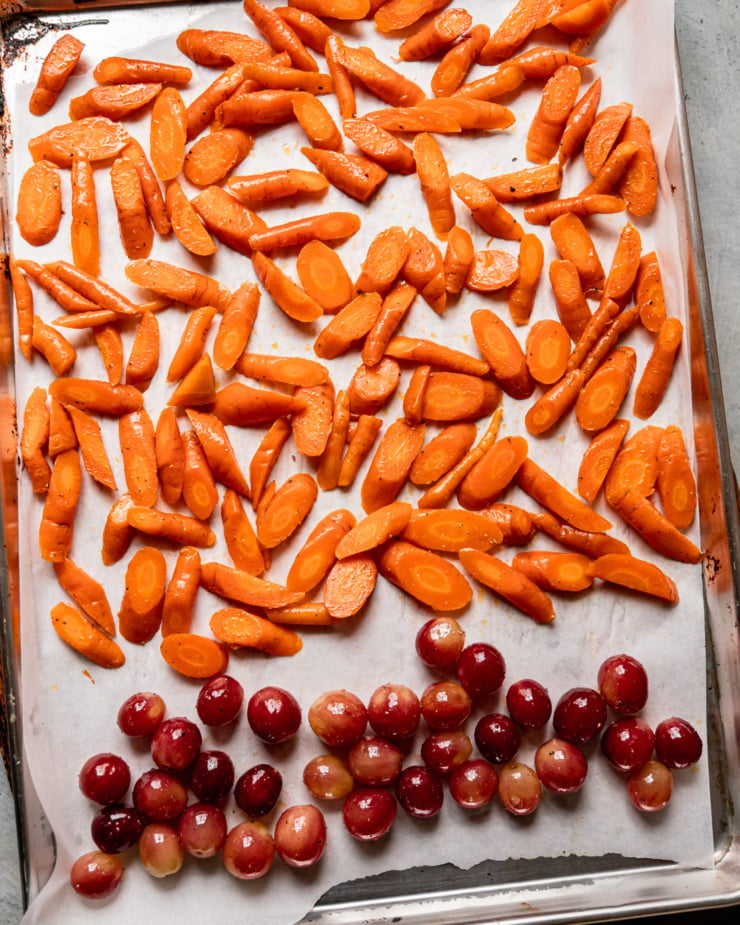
<point x="34" y="439"/>
<point x="229" y="220"/>
<point x="421" y="350"/>
<point x="639" y="184"/>
<point x="274" y="75"/>
<point x="649" y="294"/>
<point x="179" y="597"/>
<point x="241" y="540"/>
<point x="199" y="490"/>
<point x="97" y="137"/>
<point x="168" y="134"/>
<point x="140" y="614"/>
<point x="624" y="266"/>
<point x="243" y="405"/>
<point x="583" y="204"/>
<point x="598" y="458"/>
<point x="137" y="441"/>
<point x="492" y="270"/>
<point x="434" y="177"/>
<point x="177" y="528"/>
<point x="613" y="169"/>
<point x="279" y="34"/>
<point x="192" y="342"/>
<point x="223" y="148"/>
<point x="236" y="325"/>
<point x="352" y="174"/>
<point x="312" y="424"/>
<point x="458" y="397"/>
<point x="517" y="526"/>
<point x="590" y="544"/>
<point x="458" y="259"/>
<point x="64" y="295"/>
<point x="493" y="472"/>
<point x="375" y="529"/>
<point x="294" y="301"/>
<point x="143" y="359"/>
<point x="219" y="451"/>
<point x="509" y="583"/>
<point x="149" y="187"/>
<point x="424" y="270"/>
<point x="56" y="68"/>
<point x="547" y="350"/>
<point x="656" y="375"/>
<point x="383" y="81"/>
<point x="39" y="205"/>
<point x="318" y="553"/>
<point x="187" y="225"/>
<point x="442" y="453"/>
<point x="574" y="243"/>
<point x="308" y="614"/>
<point x="316" y="121"/>
<point x="602" y="396"/>
<point x="323" y="276"/>
<point x="250" y="108"/>
<point x="92" y="288"/>
<point x="288" y="370"/>
<point x="288" y="508"/>
<point x="239" y="628"/>
<point x="216" y="48"/>
<point x="327" y="226"/>
<point x="457" y="61"/>
<point x="520" y="185"/>
<point x="349" y="584"/>
<point x="92" y="449"/>
<point x="62" y="434"/>
<point x="636" y="574"/>
<point x="380" y="145"/>
<point x="115" y="102"/>
<point x="486" y="210"/>
<point x="117" y="532"/>
<point x="515" y="28"/>
<point x="438" y="33"/>
<point x="400" y="14"/>
<point x="194" y="656"/>
<point x="413" y="399"/>
<point x="635" y="466"/>
<point x="58" y="515"/>
<point x="266" y="456"/>
<point x="343" y="87"/>
<point x="177" y="283"/>
<point x="548" y="492"/>
<point x="170" y="455"/>
<point x="530" y="261"/>
<point x="655" y="528"/>
<point x="359" y="446"/>
<point x="197" y="386"/>
<point x="448" y="530"/>
<point x="502" y="352"/>
<point x="327" y="473"/>
<point x="240" y="586"/>
<point x="555" y="571"/>
<point x="307" y="25"/>
<point x="503" y="80"/>
<point x="215" y="155"/>
<point x="391" y="463"/>
<point x="371" y="387"/>
<point x="383" y="261"/>
<point x="676" y="482"/>
<point x="87" y="593"/>
<point x="78" y="322"/>
<point x="53" y="347"/>
<point x="23" y="298"/>
<point x="425" y="575"/>
<point x="547" y="126"/>
<point x="117" y="70"/>
<point x="84" y="637"/>
<point x="579" y="122"/>
<point x="603" y="135"/>
<point x="84" y="235"/>
<point x="352" y="322"/>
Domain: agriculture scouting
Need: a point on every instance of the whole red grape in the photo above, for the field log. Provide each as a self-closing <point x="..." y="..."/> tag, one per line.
<point x="140" y="714"/>
<point x="394" y="711"/>
<point x="338" y="718"/>
<point x="519" y="788"/>
<point x="159" y="796"/>
<point x="328" y="778"/>
<point x="474" y="783"/>
<point x="627" y="743"/>
<point x="440" y="641"/>
<point x="160" y="850"/>
<point x="273" y="714"/>
<point x="104" y="778"/>
<point x="212" y="776"/>
<point x="623" y="683"/>
<point x="300" y="835"/>
<point x="419" y="791"/>
<point x="374" y="761"/>
<point x="579" y="715"/>
<point x="650" y="787"/>
<point x="175" y="744"/>
<point x="202" y="830"/>
<point x="445" y="705"/>
<point x="481" y="669"/>
<point x="248" y="851"/>
<point x="677" y="743"/>
<point x="528" y="704"/>
<point x="368" y="813"/>
<point x="220" y="701"/>
<point x="96" y="874"/>
<point x="445" y="751"/>
<point x="561" y="766"/>
<point x="116" y="828"/>
<point x="258" y="789"/>
<point x="497" y="737"/>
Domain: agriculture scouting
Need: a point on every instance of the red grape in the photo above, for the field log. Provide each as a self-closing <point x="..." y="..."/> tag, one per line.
<point x="445" y="705"/>
<point x="160" y="850"/>
<point x="579" y="715"/>
<point x="248" y="851"/>
<point x="394" y="711"/>
<point x="175" y="744"/>
<point x="627" y="743"/>
<point x="338" y="718"/>
<point x="445" y="751"/>
<point x="419" y="791"/>
<point x="623" y="683"/>
<point x="528" y="704"/>
<point x="561" y="766"/>
<point x="140" y="714"/>
<point x="116" y="828"/>
<point x="202" y="830"/>
<point x="440" y="641"/>
<point x="369" y="813"/>
<point x="473" y="784"/>
<point x="519" y="788"/>
<point x="481" y="669"/>
<point x="159" y="796"/>
<point x="104" y="778"/>
<point x="328" y="778"/>
<point x="677" y="743"/>
<point x="258" y="789"/>
<point x="650" y="787"/>
<point x="220" y="700"/>
<point x="212" y="776"/>
<point x="96" y="874"/>
<point x="374" y="761"/>
<point x="497" y="737"/>
<point x="300" y="835"/>
<point x="273" y="714"/>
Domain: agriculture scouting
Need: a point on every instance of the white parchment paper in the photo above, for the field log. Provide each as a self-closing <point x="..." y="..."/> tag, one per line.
<point x="69" y="707"/>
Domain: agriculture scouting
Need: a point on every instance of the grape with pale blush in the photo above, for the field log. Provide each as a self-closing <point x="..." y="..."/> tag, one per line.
<point x="445" y="751"/>
<point x="258" y="789"/>
<point x="300" y="835"/>
<point x="497" y="737"/>
<point x="519" y="788"/>
<point x="677" y="743"/>
<point x="528" y="703"/>
<point x="473" y="784"/>
<point x="104" y="778"/>
<point x="212" y="776"/>
<point x="140" y="714"/>
<point x="159" y="796"/>
<point x="394" y="711"/>
<point x="160" y="850"/>
<point x="419" y="791"/>
<point x="328" y="778"/>
<point x="440" y="641"/>
<point x="481" y="669"/>
<point x="338" y="718"/>
<point x="561" y="766"/>
<point x="627" y="743"/>
<point x="623" y="683"/>
<point x="175" y="744"/>
<point x="220" y="701"/>
<point x="369" y="813"/>
<point x="116" y="828"/>
<point x="650" y="787"/>
<point x="248" y="851"/>
<point x="445" y="705"/>
<point x="579" y="715"/>
<point x="95" y="875"/>
<point x="202" y="830"/>
<point x="273" y="714"/>
<point x="374" y="761"/>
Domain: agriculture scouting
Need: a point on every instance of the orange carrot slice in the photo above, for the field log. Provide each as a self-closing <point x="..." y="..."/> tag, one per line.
<point x="349" y="584"/>
<point x="323" y="276"/>
<point x="286" y="511"/>
<point x="240" y="586"/>
<point x="34" y="437"/>
<point x="194" y="656"/>
<point x="424" y="575"/>
<point x="143" y="360"/>
<point x="371" y="387"/>
<point x="60" y="507"/>
<point x="517" y="526"/>
<point x="312" y="424"/>
<point x="656" y="375"/>
<point x="548" y="492"/>
<point x="602" y="396"/>
<point x="590" y="544"/>
<point x="197" y="387"/>
<point x="318" y="553"/>
<point x="138" y="451"/>
<point x="547" y="350"/>
<point x="448" y="530"/>
<point x="140" y="614"/>
<point x="655" y="528"/>
<point x="239" y="535"/>
<point x="180" y="594"/>
<point x="676" y="482"/>
<point x="117" y="532"/>
<point x="219" y="451"/>
<point x="636" y="574"/>
<point x="87" y="593"/>
<point x="92" y="449"/>
<point x="391" y="463"/>
<point x="243" y="405"/>
<point x="56" y="68"/>
<point x="442" y="452"/>
<point x="265" y="457"/>
<point x="353" y="321"/>
<point x="509" y="583"/>
<point x="598" y="458"/>
<point x="555" y="571"/>
<point x="169" y="525"/>
<point x="493" y="472"/>
<point x="374" y="529"/>
<point x="84" y="637"/>
<point x="239" y="628"/>
<point x="502" y="352"/>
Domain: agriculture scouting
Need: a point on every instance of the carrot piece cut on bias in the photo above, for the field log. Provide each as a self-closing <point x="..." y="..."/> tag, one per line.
<point x="239" y="535"/>
<point x="169" y="525"/>
<point x="447" y="530"/>
<point x="318" y="553"/>
<point x="266" y="455"/>
<point x="458" y="397"/>
<point x="400" y="14"/>
<point x="547" y="126"/>
<point x="312" y="424"/>
<point x="372" y="386"/>
<point x="53" y="347"/>
<point x="509" y="583"/>
<point x="238" y="585"/>
<point x="379" y="78"/>
<point x="138" y="450"/>
<point x="457" y="61"/>
<point x="186" y="223"/>
<point x="287" y="509"/>
<point x="273" y="185"/>
<point x="547" y="350"/>
<point x="636" y="574"/>
<point x="542" y="213"/>
<point x="360" y="443"/>
<point x="140" y="614"/>
<point x="84" y="236"/>
<point x="458" y="259"/>
<point x="512" y="32"/>
<point x="425" y="575"/>
<point x="639" y="183"/>
<point x="442" y="452"/>
<point x="439" y="32"/>
<point x="635" y="466"/>
<point x="199" y="490"/>
<point x="34" y="439"/>
<point x="56" y="68"/>
<point x="193" y="655"/>
<point x="374" y="529"/>
<point x="327" y="473"/>
<point x="352" y="322"/>
<point x="177" y="283"/>
<point x="143" y="359"/>
<point x="598" y="458"/>
<point x="603" y="135"/>
<point x="352" y="174"/>
<point x="62" y="434"/>
<point x="192" y="342"/>
<point x="236" y="325"/>
<point x="655" y="528"/>
<point x="530" y="261"/>
<point x="486" y="210"/>
<point x="181" y="591"/>
<point x="380" y="145"/>
<point x="312" y="613"/>
<point x="602" y="396"/>
<point x="434" y="177"/>
<point x="349" y="584"/>
<point x="590" y="544"/>
<point x="239" y="628"/>
<point x="197" y="387"/>
<point x="168" y="134"/>
<point x="218" y="449"/>
<point x="657" y="373"/>
<point x="244" y="405"/>
<point x="384" y="260"/>
<point x="502" y="352"/>
<point x="324" y="276"/>
<point x="492" y="270"/>
<point x="289" y="296"/>
<point x="87" y="593"/>
<point x="579" y="122"/>
<point x="60" y="507"/>
<point x="517" y="526"/>
<point x="327" y="226"/>
<point x="555" y="571"/>
<point x="391" y="463"/>
<point x="92" y="449"/>
<point x="169" y="454"/>
<point x="216" y="154"/>
<point x="676" y="482"/>
<point x="85" y="638"/>
<point x="279" y="34"/>
<point x="440" y="356"/>
<point x="117" y="532"/>
<point x="574" y="243"/>
<point x="649" y="294"/>
<point x="97" y="137"/>
<point x="548" y="492"/>
<point x="492" y="474"/>
<point x="424" y="270"/>
<point x="39" y="205"/>
<point x="413" y="400"/>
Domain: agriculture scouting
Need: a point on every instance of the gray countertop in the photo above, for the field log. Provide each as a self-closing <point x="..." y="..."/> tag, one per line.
<point x="708" y="35"/>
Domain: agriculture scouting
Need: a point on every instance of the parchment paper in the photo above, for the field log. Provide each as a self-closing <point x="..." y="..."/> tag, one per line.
<point x="69" y="706"/>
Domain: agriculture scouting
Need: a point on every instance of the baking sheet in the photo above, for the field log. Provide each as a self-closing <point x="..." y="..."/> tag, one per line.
<point x="568" y="652"/>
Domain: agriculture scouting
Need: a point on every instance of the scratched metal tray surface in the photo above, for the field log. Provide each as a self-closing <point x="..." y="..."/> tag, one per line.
<point x="567" y="889"/>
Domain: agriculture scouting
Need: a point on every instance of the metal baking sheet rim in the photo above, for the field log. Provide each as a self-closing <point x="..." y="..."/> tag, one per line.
<point x="607" y="888"/>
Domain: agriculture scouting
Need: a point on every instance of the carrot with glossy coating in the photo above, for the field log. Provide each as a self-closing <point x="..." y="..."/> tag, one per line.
<point x="452" y="70"/>
<point x="676" y="483"/>
<point x="374" y="529"/>
<point x="349" y="584"/>
<point x="353" y="321"/>
<point x="491" y="270"/>
<point x="318" y="553"/>
<point x="598" y="458"/>
<point x="547" y="126"/>
<point x="458" y="258"/>
<point x="117" y="532"/>
<point x="486" y="210"/>
<point x="360" y="443"/>
<point x="438" y="33"/>
<point x="149" y="186"/>
<point x="200" y="112"/>
<point x="238" y="585"/>
<point x="327" y="226"/>
<point x="66" y="296"/>
<point x="657" y="373"/>
<point x="509" y="583"/>
<point x="627" y="571"/>
<point x="458" y="397"/>
<point x="177" y="283"/>
<point x="197" y="387"/>
<point x="579" y="122"/>
<point x="352" y="174"/>
<point x="524" y="184"/>
<point x="590" y="544"/>
<point x="425" y="575"/>
<point x="239" y="628"/>
<point x="307" y="25"/>
<point x="289" y="370"/>
<point x="53" y="347"/>
<point x="170" y="525"/>
<point x="400" y="14"/>
<point x="277" y="76"/>
<point x="273" y="185"/>
<point x="169" y="455"/>
<point x="448" y="530"/>
<point x="502" y="352"/>
<point x="638" y="185"/>
<point x="248" y="109"/>
<point x="97" y="291"/>
<point x="603" y="135"/>
<point x="87" y="593"/>
<point x="649" y="294"/>
<point x="287" y="509"/>
<point x="574" y="243"/>
<point x="81" y="320"/>
<point x="143" y="360"/>
<point x="310" y="613"/>
<point x="384" y="260"/>
<point x="343" y="87"/>
<point x="243" y="405"/>
<point x="413" y="399"/>
<point x="517" y="525"/>
<point x="380" y="145"/>
<point x="215" y="155"/>
<point x="279" y="34"/>
<point x="168" y="134"/>
<point x="470" y="114"/>
<point x="635" y="466"/>
<point x="180" y="594"/>
<point x="419" y="118"/>
<point x="56" y="69"/>
<point x="84" y="229"/>
<point x="380" y="79"/>
<point x="547" y="349"/>
<point x="241" y="540"/>
<point x="198" y="485"/>
<point x="114" y="102"/>
<point x="492" y="474"/>
<point x="99" y="138"/>
<point x="235" y="327"/>
<point x="371" y="387"/>
<point x="192" y="342"/>
<point x="92" y="449"/>
<point x="513" y="31"/>
<point x="193" y="655"/>
<point x="608" y="177"/>
<point x="61" y="430"/>
<point x="186" y="223"/>
<point x="227" y="218"/>
<point x="34" y="439"/>
<point x="603" y="394"/>
<point x="118" y="70"/>
<point x="553" y="404"/>
<point x="60" y="507"/>
<point x="219" y="48"/>
<point x="317" y="122"/>
<point x="553" y="496"/>
<point x="85" y="638"/>
<point x="39" y="205"/>
<point x="583" y="204"/>
<point x="424" y="270"/>
<point x="140" y="613"/>
<point x="503" y="80"/>
<point x="334" y="9"/>
<point x="395" y="306"/>
<point x="288" y="295"/>
<point x="24" y="311"/>
<point x="136" y="437"/>
<point x="434" y="177"/>
<point x="391" y="463"/>
<point x="330" y="462"/>
<point x="442" y="452"/>
<point x="312" y="424"/>
<point x="555" y="571"/>
<point x="217" y="446"/>
<point x="530" y="261"/>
